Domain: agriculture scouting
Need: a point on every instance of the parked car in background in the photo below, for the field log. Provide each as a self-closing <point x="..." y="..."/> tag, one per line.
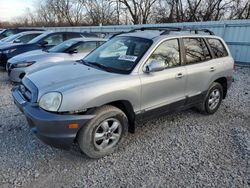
<point x="12" y="31"/>
<point x="73" y="49"/>
<point x="96" y="101"/>
<point x="44" y="42"/>
<point x="23" y="37"/>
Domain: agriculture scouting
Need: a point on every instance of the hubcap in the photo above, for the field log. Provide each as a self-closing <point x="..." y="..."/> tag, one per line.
<point x="107" y="134"/>
<point x="214" y="99"/>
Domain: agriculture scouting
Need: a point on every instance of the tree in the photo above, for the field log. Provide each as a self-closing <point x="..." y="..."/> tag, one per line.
<point x="139" y="10"/>
<point x="99" y="12"/>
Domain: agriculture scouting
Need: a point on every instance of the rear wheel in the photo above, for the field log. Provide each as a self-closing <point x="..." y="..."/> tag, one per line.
<point x="213" y="99"/>
<point x="104" y="133"/>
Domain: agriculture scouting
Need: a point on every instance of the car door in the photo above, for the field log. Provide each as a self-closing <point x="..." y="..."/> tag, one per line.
<point x="159" y="89"/>
<point x="200" y="68"/>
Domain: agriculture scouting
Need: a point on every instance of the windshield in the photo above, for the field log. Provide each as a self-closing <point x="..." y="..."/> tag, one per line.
<point x="11" y="38"/>
<point x="63" y="46"/>
<point x="120" y="54"/>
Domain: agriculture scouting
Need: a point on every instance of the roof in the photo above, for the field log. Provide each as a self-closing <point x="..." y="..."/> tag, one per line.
<point x="85" y="39"/>
<point x="143" y="34"/>
<point x="30" y="32"/>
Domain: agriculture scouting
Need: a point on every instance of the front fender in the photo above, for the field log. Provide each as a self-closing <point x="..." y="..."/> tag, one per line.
<point x="99" y="94"/>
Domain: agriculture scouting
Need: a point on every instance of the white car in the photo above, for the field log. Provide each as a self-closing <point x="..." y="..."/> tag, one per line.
<point x="29" y="62"/>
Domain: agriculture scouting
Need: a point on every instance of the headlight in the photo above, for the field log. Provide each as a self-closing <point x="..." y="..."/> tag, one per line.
<point x="23" y="64"/>
<point x="51" y="101"/>
<point x="9" y="51"/>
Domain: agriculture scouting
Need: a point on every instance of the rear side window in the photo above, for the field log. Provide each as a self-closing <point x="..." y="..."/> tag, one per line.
<point x="196" y="50"/>
<point x="72" y="35"/>
<point x="217" y="47"/>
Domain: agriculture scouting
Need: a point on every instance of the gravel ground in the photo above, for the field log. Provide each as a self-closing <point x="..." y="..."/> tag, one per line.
<point x="184" y="149"/>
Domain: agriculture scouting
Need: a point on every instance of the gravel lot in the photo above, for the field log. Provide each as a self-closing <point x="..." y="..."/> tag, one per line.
<point x="184" y="149"/>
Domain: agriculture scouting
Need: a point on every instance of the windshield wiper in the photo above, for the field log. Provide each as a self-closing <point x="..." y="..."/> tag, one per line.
<point x="101" y="66"/>
<point x="83" y="62"/>
<point x="91" y="64"/>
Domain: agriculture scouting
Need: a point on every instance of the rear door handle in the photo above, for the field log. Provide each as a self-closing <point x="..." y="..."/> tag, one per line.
<point x="212" y="69"/>
<point x="179" y="75"/>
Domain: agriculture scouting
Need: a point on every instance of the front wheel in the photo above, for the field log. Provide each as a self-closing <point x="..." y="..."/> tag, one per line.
<point x="104" y="133"/>
<point x="213" y="99"/>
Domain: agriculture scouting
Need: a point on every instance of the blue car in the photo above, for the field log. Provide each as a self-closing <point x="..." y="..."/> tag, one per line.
<point x="44" y="42"/>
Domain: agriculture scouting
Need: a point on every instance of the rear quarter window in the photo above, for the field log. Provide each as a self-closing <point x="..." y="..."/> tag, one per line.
<point x="217" y="47"/>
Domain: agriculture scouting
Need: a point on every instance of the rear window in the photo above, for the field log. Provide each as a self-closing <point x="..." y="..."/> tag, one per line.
<point x="217" y="47"/>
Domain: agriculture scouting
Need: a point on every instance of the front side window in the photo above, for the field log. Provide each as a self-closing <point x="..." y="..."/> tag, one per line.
<point x="168" y="52"/>
<point x="86" y="47"/>
<point x="54" y="39"/>
<point x="120" y="54"/>
<point x="196" y="50"/>
<point x="217" y="47"/>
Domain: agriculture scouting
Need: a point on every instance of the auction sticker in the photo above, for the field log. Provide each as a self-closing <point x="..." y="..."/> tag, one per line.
<point x="128" y="58"/>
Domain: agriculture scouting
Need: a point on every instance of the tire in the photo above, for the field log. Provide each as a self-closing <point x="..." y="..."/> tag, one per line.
<point x="103" y="134"/>
<point x="213" y="99"/>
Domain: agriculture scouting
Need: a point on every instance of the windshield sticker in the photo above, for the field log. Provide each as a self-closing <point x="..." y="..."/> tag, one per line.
<point x="128" y="58"/>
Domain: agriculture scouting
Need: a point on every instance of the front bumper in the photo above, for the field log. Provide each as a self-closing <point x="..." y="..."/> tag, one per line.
<point x="49" y="127"/>
<point x="3" y="60"/>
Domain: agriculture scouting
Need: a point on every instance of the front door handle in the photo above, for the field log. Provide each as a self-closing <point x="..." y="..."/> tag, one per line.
<point x="212" y="69"/>
<point x="179" y="75"/>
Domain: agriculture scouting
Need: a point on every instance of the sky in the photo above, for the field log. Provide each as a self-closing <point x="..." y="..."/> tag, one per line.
<point x="10" y="9"/>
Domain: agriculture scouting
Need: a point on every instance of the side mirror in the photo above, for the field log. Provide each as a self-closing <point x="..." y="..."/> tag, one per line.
<point x="154" y="66"/>
<point x="17" y="41"/>
<point x="43" y="43"/>
<point x="73" y="51"/>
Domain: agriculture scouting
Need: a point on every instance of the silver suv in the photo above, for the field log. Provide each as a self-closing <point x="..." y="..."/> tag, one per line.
<point x="144" y="72"/>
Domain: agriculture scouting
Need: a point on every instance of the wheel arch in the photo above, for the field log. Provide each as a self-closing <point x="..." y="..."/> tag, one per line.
<point x="223" y="82"/>
<point x="128" y="109"/>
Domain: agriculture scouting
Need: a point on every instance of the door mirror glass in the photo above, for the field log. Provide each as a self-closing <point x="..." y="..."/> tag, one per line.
<point x="154" y="66"/>
<point x="73" y="51"/>
<point x="17" y="41"/>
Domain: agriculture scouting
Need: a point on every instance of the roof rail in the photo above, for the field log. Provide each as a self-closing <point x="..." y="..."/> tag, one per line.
<point x="164" y="28"/>
<point x="167" y="30"/>
<point x="196" y="31"/>
<point x="119" y="33"/>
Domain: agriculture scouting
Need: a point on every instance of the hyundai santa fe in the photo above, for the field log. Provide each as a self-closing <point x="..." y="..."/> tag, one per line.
<point x="147" y="71"/>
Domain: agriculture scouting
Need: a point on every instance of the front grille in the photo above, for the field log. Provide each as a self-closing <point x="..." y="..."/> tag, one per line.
<point x="28" y="90"/>
<point x="25" y="92"/>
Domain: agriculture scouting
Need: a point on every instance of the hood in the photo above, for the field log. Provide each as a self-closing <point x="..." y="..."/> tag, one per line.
<point x="67" y="76"/>
<point x="28" y="55"/>
<point x="4" y="43"/>
<point x="7" y="46"/>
